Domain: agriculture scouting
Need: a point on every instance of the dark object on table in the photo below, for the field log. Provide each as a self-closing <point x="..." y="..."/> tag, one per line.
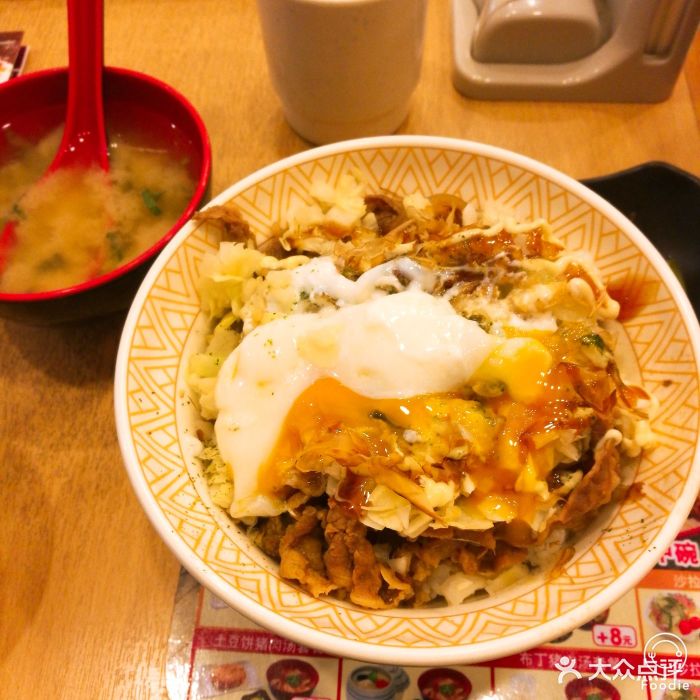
<point x="664" y="203"/>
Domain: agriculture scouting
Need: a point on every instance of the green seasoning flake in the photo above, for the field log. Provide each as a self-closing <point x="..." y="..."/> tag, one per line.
<point x="115" y="242"/>
<point x="484" y="323"/>
<point x="150" y="199"/>
<point x="489" y="389"/>
<point x="378" y="415"/>
<point x="504" y="290"/>
<point x="294" y="680"/>
<point x="18" y="212"/>
<point x="54" y="262"/>
<point x="593" y="339"/>
<point x="350" y="272"/>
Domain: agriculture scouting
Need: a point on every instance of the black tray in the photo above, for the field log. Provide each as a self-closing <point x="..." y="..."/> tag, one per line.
<point x="664" y="203"/>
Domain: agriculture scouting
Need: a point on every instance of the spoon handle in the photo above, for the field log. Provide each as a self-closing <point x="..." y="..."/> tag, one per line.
<point x="84" y="141"/>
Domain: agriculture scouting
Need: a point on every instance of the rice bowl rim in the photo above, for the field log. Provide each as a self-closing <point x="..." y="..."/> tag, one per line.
<point x="379" y="653"/>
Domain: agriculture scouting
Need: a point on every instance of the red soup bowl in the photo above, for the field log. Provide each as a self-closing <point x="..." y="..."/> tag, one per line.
<point x="33" y="105"/>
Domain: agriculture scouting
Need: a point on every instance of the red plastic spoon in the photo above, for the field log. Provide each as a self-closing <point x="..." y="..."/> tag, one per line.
<point x="84" y="143"/>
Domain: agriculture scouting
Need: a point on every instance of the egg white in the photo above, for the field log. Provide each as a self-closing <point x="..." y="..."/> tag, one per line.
<point x="394" y="346"/>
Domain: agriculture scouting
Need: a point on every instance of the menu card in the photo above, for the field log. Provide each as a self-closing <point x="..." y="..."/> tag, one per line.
<point x="647" y="646"/>
<point x="13" y="55"/>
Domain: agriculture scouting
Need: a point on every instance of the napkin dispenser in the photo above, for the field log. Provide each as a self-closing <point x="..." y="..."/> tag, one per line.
<point x="584" y="50"/>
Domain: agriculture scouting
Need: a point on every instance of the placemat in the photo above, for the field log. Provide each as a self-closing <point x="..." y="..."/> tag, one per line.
<point x="646" y="646"/>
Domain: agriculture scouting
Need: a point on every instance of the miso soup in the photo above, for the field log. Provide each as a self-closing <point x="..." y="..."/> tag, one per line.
<point x="77" y="224"/>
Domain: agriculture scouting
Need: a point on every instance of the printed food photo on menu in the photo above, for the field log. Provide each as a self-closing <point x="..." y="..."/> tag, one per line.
<point x="214" y="679"/>
<point x="444" y="684"/>
<point x="591" y="689"/>
<point x="690" y="693"/>
<point x="289" y="678"/>
<point x="676" y="613"/>
<point x="377" y="683"/>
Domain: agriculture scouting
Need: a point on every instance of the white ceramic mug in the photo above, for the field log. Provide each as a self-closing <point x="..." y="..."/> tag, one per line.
<point x="343" y="68"/>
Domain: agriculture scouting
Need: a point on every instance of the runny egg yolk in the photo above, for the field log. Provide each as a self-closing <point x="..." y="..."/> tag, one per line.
<point x="339" y="423"/>
<point x="389" y="347"/>
<point x="327" y="408"/>
<point x="331" y="422"/>
<point x="334" y="422"/>
<point x="520" y="364"/>
<point x="372" y="395"/>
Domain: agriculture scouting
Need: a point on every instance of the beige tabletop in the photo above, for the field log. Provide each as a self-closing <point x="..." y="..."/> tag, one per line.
<point x="86" y="586"/>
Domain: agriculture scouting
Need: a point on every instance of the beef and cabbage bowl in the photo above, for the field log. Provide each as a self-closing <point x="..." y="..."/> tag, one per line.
<point x="412" y="400"/>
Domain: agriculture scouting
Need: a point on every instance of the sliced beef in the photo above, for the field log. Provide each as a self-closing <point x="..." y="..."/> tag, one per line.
<point x="301" y="553"/>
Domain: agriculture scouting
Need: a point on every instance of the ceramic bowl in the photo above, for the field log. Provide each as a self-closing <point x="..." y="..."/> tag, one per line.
<point x="34" y="104"/>
<point x="156" y="421"/>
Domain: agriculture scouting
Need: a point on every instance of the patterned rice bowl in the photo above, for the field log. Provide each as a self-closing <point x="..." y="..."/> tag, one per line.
<point x="156" y="420"/>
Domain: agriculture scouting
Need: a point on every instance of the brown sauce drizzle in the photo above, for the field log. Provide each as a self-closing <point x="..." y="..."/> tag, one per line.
<point x="353" y="492"/>
<point x="632" y="293"/>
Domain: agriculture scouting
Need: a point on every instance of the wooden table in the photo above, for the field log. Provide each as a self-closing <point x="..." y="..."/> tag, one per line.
<point x="86" y="586"/>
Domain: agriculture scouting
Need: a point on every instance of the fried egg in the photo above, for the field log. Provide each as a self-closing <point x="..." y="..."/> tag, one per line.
<point x="393" y="347"/>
